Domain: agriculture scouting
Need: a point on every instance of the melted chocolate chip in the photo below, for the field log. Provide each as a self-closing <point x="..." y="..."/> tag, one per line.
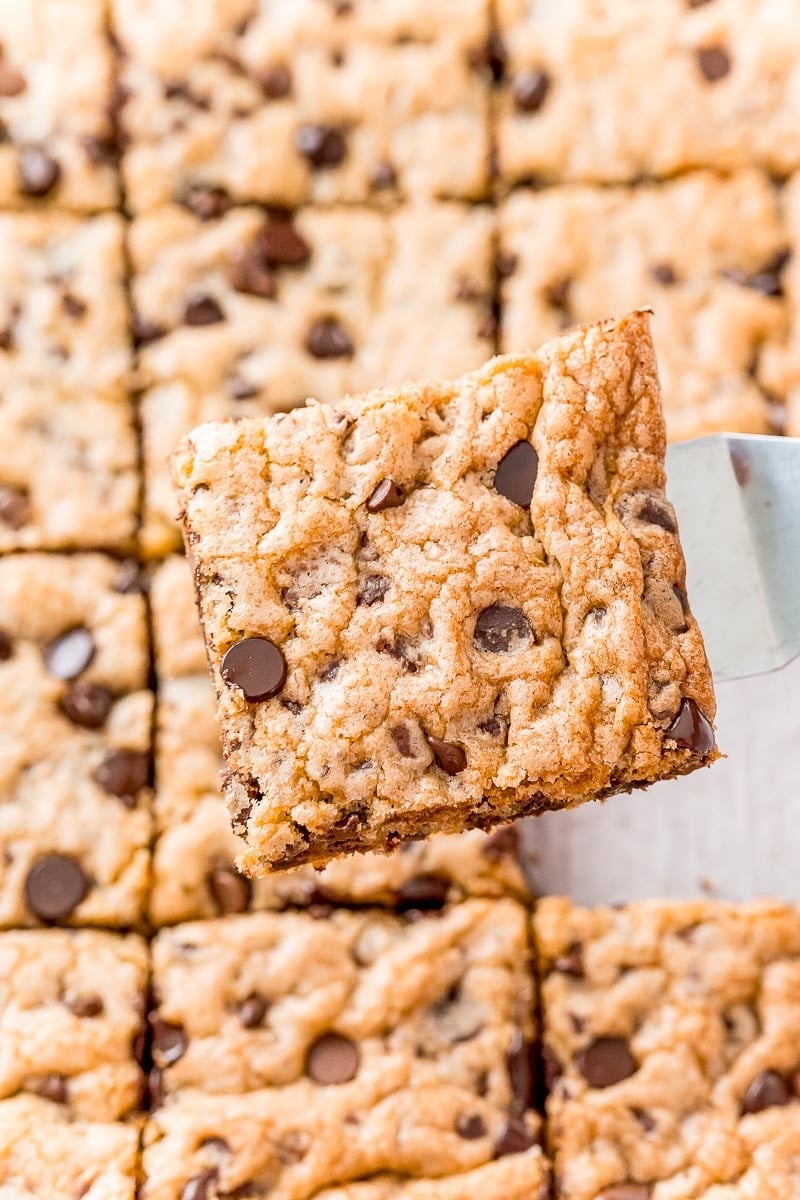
<point x="230" y="890"/>
<point x="73" y="306"/>
<point x="207" y="202"/>
<point x="122" y="773"/>
<point x="691" y="729"/>
<point x="15" y="506"/>
<point x="450" y="757"/>
<point x="387" y="494"/>
<point x="530" y="89"/>
<point x="471" y="1126"/>
<point x="552" y="1069"/>
<point x="247" y="272"/>
<point x="86" y="704"/>
<point x="664" y="274"/>
<point x="521" y="1071"/>
<point x="202" y="310"/>
<point x="256" y="666"/>
<point x="202" y="1186"/>
<point x="346" y="829"/>
<point x="241" y="389"/>
<point x="767" y="1090"/>
<point x="275" y="81"/>
<point x="282" y="246"/>
<point x="87" y="1005"/>
<point x="323" y="145"/>
<point x="68" y="655"/>
<point x="12" y="81"/>
<point x="514" y="1138"/>
<point x="516" y="474"/>
<point x="383" y="176"/>
<point x="501" y="629"/>
<point x="332" y="1059"/>
<point x="52" y="1087"/>
<point x="328" y="338"/>
<point x="374" y="589"/>
<point x="606" y="1061"/>
<point x="401" y="736"/>
<point x="501" y="843"/>
<point x="144" y="331"/>
<point x="39" y="172"/>
<point x="253" y="1010"/>
<point x="714" y="62"/>
<point x="6" y="645"/>
<point x="557" y="295"/>
<point x="423" y="893"/>
<point x="169" y="1041"/>
<point x="55" y="886"/>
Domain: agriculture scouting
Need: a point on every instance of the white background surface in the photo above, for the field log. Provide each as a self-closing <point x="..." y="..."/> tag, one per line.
<point x="732" y="830"/>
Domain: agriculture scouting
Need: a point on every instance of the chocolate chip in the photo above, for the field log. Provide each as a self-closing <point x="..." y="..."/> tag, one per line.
<point x="373" y="590"/>
<point x="73" y="306"/>
<point x="12" y="81"/>
<point x="122" y="773"/>
<point x="144" y="332"/>
<point x="230" y="890"/>
<point x="102" y="148"/>
<point x="68" y="655"/>
<point x="767" y="1090"/>
<point x="423" y="893"/>
<point x="501" y="843"/>
<point x="521" y="1070"/>
<point x="202" y="310"/>
<point x="328" y="338"/>
<point x="401" y="736"/>
<point x="714" y="62"/>
<point x="332" y="1059"/>
<point x="449" y="756"/>
<point x="52" y="1087"/>
<point x="496" y="726"/>
<point x="516" y="474"/>
<point x="514" y="1138"/>
<point x="691" y="729"/>
<point x="470" y="1126"/>
<point x="202" y="1186"/>
<point x="207" y="202"/>
<point x="606" y="1061"/>
<point x="246" y="272"/>
<point x="38" y="171"/>
<point x="491" y="57"/>
<point x="644" y="1118"/>
<point x="256" y="666"/>
<point x="87" y="1005"/>
<point x="282" y="246"/>
<point x="275" y="81"/>
<point x="383" y="176"/>
<point x="769" y="281"/>
<point x="322" y="145"/>
<point x="86" y="704"/>
<point x="571" y="962"/>
<point x="627" y="1191"/>
<point x="387" y="494"/>
<point x="664" y="274"/>
<point x="557" y="295"/>
<point x="6" y="645"/>
<point x="552" y="1069"/>
<point x="241" y="389"/>
<point x="169" y="1041"/>
<point x="6" y="335"/>
<point x="529" y="90"/>
<point x="253" y="1010"/>
<point x="15" y="507"/>
<point x="346" y="829"/>
<point x="501" y="629"/>
<point x="55" y="886"/>
<point x="657" y="512"/>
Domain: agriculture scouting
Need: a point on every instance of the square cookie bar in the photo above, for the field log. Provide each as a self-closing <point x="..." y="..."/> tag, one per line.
<point x="252" y="313"/>
<point x="74" y="741"/>
<point x="448" y="604"/>
<point x="311" y="102"/>
<point x="780" y="364"/>
<point x="709" y="254"/>
<point x="672" y="1046"/>
<point x="72" y="1005"/>
<point x="194" y="873"/>
<point x="613" y="92"/>
<point x="46" y="1154"/>
<point x="327" y="1051"/>
<point x="57" y="105"/>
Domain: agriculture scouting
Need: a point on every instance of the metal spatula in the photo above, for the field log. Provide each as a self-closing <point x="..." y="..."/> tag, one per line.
<point x="738" y="503"/>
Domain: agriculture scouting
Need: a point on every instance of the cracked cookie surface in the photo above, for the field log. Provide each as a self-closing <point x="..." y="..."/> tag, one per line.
<point x="672" y="1045"/>
<point x="448" y="604"/>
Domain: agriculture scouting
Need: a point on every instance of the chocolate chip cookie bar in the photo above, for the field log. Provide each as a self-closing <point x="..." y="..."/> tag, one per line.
<point x="57" y="106"/>
<point x="329" y="1051"/>
<point x="614" y="92"/>
<point x="194" y="873"/>
<point x="672" y="1045"/>
<point x="710" y="256"/>
<point x="252" y="313"/>
<point x="74" y="742"/>
<point x="48" y="1155"/>
<point x="780" y="363"/>
<point x="72" y="1005"/>
<point x="317" y="101"/>
<point x="448" y="604"/>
